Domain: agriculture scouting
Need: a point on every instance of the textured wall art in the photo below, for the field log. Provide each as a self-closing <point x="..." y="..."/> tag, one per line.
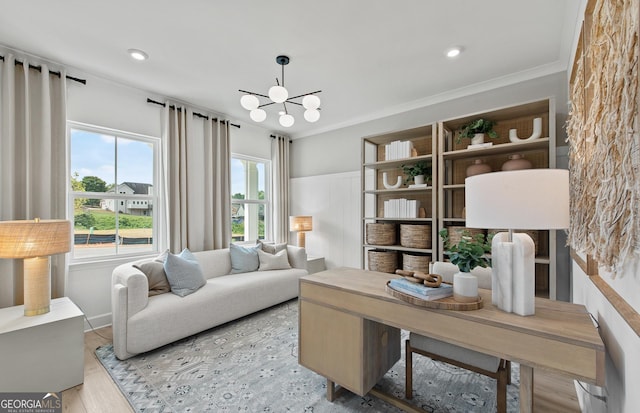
<point x="604" y="143"/>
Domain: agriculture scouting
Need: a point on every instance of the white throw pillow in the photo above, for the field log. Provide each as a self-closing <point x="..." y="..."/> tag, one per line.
<point x="277" y="261"/>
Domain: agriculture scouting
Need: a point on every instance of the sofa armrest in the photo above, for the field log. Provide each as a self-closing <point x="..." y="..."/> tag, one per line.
<point x="137" y="288"/>
<point x="297" y="257"/>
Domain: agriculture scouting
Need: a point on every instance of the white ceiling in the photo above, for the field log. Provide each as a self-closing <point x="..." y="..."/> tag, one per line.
<point x="370" y="58"/>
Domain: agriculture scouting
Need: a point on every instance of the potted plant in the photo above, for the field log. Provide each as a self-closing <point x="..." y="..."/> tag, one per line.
<point x="419" y="172"/>
<point x="469" y="253"/>
<point x="475" y="130"/>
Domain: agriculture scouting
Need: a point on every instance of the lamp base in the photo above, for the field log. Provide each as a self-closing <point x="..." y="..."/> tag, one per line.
<point x="513" y="281"/>
<point x="37" y="285"/>
<point x="301" y="239"/>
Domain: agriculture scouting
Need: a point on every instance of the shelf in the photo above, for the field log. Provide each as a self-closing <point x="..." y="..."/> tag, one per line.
<point x="397" y="191"/>
<point x="503" y="148"/>
<point x="398" y="219"/>
<point x="396" y="163"/>
<point x="398" y="248"/>
<point x="454" y="186"/>
<point x="459" y="220"/>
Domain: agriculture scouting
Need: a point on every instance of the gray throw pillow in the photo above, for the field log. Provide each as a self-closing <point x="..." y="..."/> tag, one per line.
<point x="271" y="247"/>
<point x="244" y="259"/>
<point x="184" y="273"/>
<point x="277" y="261"/>
<point x="154" y="270"/>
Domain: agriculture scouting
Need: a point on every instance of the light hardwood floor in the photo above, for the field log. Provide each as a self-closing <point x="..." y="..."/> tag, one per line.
<point x="99" y="393"/>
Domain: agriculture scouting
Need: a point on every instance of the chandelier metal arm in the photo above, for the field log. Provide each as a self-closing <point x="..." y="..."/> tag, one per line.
<point x="304" y="94"/>
<point x="253" y="93"/>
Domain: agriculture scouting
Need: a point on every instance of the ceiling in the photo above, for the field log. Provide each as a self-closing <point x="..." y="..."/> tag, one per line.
<point x="370" y="58"/>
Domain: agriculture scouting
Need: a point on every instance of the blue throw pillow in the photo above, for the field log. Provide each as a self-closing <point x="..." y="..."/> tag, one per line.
<point x="184" y="273"/>
<point x="244" y="259"/>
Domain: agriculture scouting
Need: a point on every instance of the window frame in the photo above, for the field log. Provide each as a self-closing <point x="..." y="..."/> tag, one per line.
<point x="156" y="198"/>
<point x="267" y="201"/>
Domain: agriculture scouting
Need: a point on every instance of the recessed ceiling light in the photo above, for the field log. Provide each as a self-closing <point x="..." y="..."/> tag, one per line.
<point x="138" y="54"/>
<point x="453" y="52"/>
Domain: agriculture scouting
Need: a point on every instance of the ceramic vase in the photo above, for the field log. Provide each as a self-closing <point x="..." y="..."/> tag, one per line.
<point x="387" y="185"/>
<point x="516" y="162"/>
<point x="465" y="287"/>
<point x="477" y="139"/>
<point x="418" y="179"/>
<point x="478" y="167"/>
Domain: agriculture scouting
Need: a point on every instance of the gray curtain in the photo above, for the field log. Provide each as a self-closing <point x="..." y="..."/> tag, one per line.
<point x="280" y="188"/>
<point x="196" y="163"/>
<point x="33" y="161"/>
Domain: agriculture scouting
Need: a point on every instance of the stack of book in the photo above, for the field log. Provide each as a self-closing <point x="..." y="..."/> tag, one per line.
<point x="401" y="208"/>
<point x="421" y="291"/>
<point x="397" y="150"/>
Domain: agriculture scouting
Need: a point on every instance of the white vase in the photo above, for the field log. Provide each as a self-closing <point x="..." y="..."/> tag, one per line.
<point x="477" y="139"/>
<point x="537" y="132"/>
<point x="418" y="179"/>
<point x="465" y="287"/>
<point x="387" y="185"/>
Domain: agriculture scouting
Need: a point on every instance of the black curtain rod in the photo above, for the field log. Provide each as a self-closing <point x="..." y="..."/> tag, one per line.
<point x="200" y="115"/>
<point x="39" y="69"/>
<point x="274" y="137"/>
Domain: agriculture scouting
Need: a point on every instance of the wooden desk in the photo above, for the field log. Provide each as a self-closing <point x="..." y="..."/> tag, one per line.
<point x="349" y="333"/>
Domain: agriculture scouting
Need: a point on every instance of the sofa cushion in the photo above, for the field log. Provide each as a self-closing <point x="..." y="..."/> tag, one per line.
<point x="244" y="259"/>
<point x="277" y="261"/>
<point x="184" y="273"/>
<point x="271" y="247"/>
<point x="154" y="270"/>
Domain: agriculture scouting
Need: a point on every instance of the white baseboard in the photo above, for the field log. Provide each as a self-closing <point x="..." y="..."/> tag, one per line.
<point x="99" y="321"/>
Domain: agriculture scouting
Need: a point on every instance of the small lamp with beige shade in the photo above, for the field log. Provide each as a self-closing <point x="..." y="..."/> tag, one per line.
<point x="300" y="224"/>
<point x="35" y="241"/>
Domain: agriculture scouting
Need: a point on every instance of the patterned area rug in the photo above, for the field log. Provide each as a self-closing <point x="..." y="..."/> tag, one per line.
<point x="250" y="365"/>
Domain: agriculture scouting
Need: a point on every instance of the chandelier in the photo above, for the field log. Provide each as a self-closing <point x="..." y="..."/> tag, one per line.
<point x="279" y="94"/>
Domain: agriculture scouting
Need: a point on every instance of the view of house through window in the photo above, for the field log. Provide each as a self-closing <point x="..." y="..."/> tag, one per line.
<point x="113" y="192"/>
<point x="250" y="200"/>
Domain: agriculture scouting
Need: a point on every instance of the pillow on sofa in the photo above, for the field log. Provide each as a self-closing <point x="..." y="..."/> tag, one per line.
<point x="154" y="270"/>
<point x="277" y="261"/>
<point x="184" y="273"/>
<point x="244" y="259"/>
<point x="271" y="247"/>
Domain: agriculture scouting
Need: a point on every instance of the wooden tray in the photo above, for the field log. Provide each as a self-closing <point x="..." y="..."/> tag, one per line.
<point x="447" y="303"/>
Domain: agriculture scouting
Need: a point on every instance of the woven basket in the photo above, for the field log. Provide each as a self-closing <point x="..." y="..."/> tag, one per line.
<point x="415" y="236"/>
<point x="381" y="234"/>
<point x="532" y="233"/>
<point x="383" y="261"/>
<point x="455" y="233"/>
<point x="415" y="262"/>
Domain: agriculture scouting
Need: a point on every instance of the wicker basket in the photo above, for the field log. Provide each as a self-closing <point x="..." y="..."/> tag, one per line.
<point x="415" y="236"/>
<point x="383" y="261"/>
<point x="532" y="233"/>
<point x="455" y="233"/>
<point x="381" y="234"/>
<point x="415" y="262"/>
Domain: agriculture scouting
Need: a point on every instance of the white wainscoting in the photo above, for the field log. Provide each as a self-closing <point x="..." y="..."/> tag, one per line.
<point x="333" y="201"/>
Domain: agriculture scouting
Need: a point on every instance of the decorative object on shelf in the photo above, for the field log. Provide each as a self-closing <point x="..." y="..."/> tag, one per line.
<point x="383" y="261"/>
<point x="455" y="233"/>
<point x="537" y="132"/>
<point x="411" y="262"/>
<point x="528" y="199"/>
<point x="467" y="254"/>
<point x="385" y="182"/>
<point x="381" y="233"/>
<point x="419" y="172"/>
<point x="478" y="167"/>
<point x="399" y="150"/>
<point x="35" y="241"/>
<point x="415" y="236"/>
<point x="516" y="162"/>
<point x="300" y="224"/>
<point x="279" y="94"/>
<point x="475" y="130"/>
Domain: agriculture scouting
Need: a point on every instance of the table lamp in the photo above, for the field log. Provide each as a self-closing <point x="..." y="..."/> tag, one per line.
<point x="525" y="199"/>
<point x="300" y="224"/>
<point x="34" y="241"/>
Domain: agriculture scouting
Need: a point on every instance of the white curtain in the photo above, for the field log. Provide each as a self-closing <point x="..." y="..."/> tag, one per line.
<point x="280" y="188"/>
<point x="196" y="163"/>
<point x="33" y="161"/>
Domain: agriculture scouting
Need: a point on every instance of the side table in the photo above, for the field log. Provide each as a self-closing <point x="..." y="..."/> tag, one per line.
<point x="315" y="264"/>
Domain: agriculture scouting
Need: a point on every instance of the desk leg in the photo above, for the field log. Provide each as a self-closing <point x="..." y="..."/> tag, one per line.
<point x="526" y="389"/>
<point x="331" y="390"/>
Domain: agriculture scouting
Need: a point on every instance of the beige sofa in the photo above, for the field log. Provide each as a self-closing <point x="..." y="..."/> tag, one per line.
<point x="142" y="322"/>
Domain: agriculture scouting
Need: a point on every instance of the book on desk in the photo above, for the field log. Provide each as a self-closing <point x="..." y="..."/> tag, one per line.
<point x="421" y="291"/>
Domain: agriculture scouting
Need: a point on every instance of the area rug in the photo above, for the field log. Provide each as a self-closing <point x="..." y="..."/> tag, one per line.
<point x="251" y="365"/>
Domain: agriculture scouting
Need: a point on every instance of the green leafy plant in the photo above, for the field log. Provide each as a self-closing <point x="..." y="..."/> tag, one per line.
<point x="469" y="252"/>
<point x="477" y="126"/>
<point x="413" y="170"/>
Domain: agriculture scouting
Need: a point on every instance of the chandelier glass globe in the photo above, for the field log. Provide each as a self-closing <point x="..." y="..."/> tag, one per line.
<point x="249" y="102"/>
<point x="311" y="115"/>
<point x="278" y="94"/>
<point x="287" y="120"/>
<point x="258" y="115"/>
<point x="311" y="102"/>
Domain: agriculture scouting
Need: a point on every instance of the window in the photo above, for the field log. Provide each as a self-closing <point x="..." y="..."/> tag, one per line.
<point x="112" y="192"/>
<point x="250" y="200"/>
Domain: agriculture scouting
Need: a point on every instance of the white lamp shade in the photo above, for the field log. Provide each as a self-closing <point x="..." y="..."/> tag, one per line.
<point x="287" y="120"/>
<point x="278" y="94"/>
<point x="524" y="199"/>
<point x="249" y="102"/>
<point x="312" y="115"/>
<point x="258" y="115"/>
<point x="311" y="102"/>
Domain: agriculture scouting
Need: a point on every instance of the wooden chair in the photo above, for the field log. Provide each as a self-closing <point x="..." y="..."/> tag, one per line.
<point x="485" y="364"/>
